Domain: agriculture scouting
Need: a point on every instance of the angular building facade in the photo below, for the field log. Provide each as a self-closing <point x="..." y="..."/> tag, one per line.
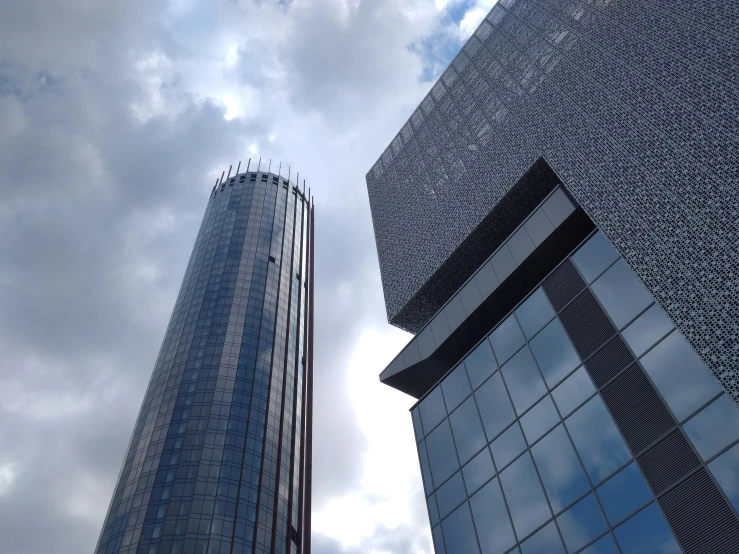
<point x="219" y="460"/>
<point x="557" y="225"/>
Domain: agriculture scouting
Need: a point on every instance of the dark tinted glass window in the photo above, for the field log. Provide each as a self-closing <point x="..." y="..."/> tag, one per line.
<point x="524" y="380"/>
<point x="442" y="454"/>
<point x="545" y="541"/>
<point x="456" y="387"/>
<point x="506" y="339"/>
<point x="597" y="439"/>
<point x="573" y="391"/>
<point x="425" y="467"/>
<point x="582" y="523"/>
<point x="555" y="353"/>
<point x="680" y="375"/>
<point x="602" y="546"/>
<point x="432" y="409"/>
<point x="623" y="493"/>
<point x="478" y="471"/>
<point x="725" y="469"/>
<point x="450" y="495"/>
<point x="467" y="429"/>
<point x="417" y="428"/>
<point x="714" y="428"/>
<point x="491" y="519"/>
<point x="648" y="328"/>
<point x="480" y="364"/>
<point x="438" y="540"/>
<point x="560" y="470"/>
<point x="507" y="446"/>
<point x="495" y="408"/>
<point x="539" y="419"/>
<point x="433" y="510"/>
<point x="594" y="256"/>
<point x="646" y="532"/>
<point x="622" y="294"/>
<point x="534" y="313"/>
<point x="524" y="495"/>
<point x="459" y="534"/>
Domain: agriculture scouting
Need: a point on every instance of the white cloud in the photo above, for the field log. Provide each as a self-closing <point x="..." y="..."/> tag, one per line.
<point x="474" y="16"/>
<point x="7" y="477"/>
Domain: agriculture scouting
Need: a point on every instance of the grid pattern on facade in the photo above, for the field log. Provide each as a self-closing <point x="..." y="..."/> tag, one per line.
<point x="634" y="106"/>
<point x="221" y="426"/>
<point x="523" y="446"/>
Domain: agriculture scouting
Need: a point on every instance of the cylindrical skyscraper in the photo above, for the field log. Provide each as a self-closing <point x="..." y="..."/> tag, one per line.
<point x="219" y="460"/>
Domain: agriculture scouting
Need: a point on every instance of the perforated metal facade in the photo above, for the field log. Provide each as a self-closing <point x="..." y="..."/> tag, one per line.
<point x="634" y="106"/>
<point x="219" y="460"/>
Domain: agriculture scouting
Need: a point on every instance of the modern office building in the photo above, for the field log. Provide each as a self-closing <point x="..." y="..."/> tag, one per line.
<point x="220" y="458"/>
<point x="557" y="224"/>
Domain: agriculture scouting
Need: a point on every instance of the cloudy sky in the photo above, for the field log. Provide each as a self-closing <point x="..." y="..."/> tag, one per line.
<point x="116" y="117"/>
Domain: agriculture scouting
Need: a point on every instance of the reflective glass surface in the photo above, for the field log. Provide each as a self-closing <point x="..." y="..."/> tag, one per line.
<point x="594" y="256"/>
<point x="573" y="391"/>
<point x="433" y="509"/>
<point x="432" y="410"/>
<point x="555" y="353"/>
<point x="438" y="540"/>
<point x="714" y="428"/>
<point x="539" y="419"/>
<point x="450" y="495"/>
<point x="524" y="495"/>
<point x="623" y="493"/>
<point x="506" y="339"/>
<point x="602" y="546"/>
<point x="425" y="466"/>
<point x="680" y="375"/>
<point x="507" y="446"/>
<point x="582" y="523"/>
<point x="478" y="470"/>
<point x="495" y="407"/>
<point x="621" y="293"/>
<point x="442" y="454"/>
<point x="456" y="387"/>
<point x="648" y="328"/>
<point x="524" y="380"/>
<point x="491" y="519"/>
<point x="646" y="532"/>
<point x="597" y="440"/>
<point x="534" y="313"/>
<point x="467" y="430"/>
<point x="417" y="427"/>
<point x="459" y="533"/>
<point x="545" y="541"/>
<point x="560" y="470"/>
<point x="725" y="469"/>
<point x="480" y="364"/>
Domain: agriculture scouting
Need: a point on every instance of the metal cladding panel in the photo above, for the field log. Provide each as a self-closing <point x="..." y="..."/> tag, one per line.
<point x="632" y="104"/>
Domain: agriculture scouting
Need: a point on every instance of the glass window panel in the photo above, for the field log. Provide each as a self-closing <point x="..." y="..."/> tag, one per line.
<point x="622" y="294"/>
<point x="573" y="391"/>
<point x="602" y="546"/>
<point x="438" y="540"/>
<point x="560" y="470"/>
<point x="646" y="532"/>
<point x="491" y="519"/>
<point x="680" y="375"/>
<point x="725" y="469"/>
<point x="539" y="419"/>
<point x="534" y="313"/>
<point x="648" y="328"/>
<point x="456" y="387"/>
<point x="479" y="470"/>
<point x="555" y="353"/>
<point x="432" y="409"/>
<point x="459" y="533"/>
<point x="495" y="407"/>
<point x="524" y="380"/>
<point x="526" y="500"/>
<point x="623" y="493"/>
<point x="425" y="467"/>
<point x="417" y="428"/>
<point x="450" y="495"/>
<point x="442" y="454"/>
<point x="594" y="256"/>
<point x="582" y="523"/>
<point x="433" y="510"/>
<point x="506" y="339"/>
<point x="715" y="427"/>
<point x="480" y="364"/>
<point x="597" y="439"/>
<point x="467" y="430"/>
<point x="545" y="541"/>
<point x="507" y="446"/>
